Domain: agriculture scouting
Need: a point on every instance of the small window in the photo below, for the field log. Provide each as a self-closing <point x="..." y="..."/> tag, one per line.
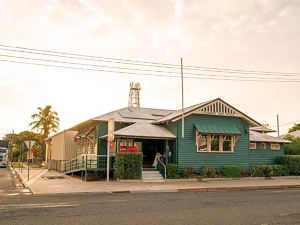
<point x="275" y="146"/>
<point x="252" y="145"/>
<point x="263" y="146"/>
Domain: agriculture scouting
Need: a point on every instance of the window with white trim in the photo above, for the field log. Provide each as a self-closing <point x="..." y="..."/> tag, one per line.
<point x="252" y="145"/>
<point x="215" y="143"/>
<point x="275" y="146"/>
<point x="263" y="146"/>
<point x="202" y="143"/>
<point x="227" y="144"/>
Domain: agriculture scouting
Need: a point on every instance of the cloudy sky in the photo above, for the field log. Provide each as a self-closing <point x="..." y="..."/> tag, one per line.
<point x="261" y="35"/>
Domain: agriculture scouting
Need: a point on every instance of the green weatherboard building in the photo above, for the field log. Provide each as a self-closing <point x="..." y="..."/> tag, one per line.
<point x="215" y="134"/>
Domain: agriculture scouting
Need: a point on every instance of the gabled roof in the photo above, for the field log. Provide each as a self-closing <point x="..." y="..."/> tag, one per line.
<point x="259" y="137"/>
<point x="134" y="115"/>
<point x="145" y="130"/>
<point x="218" y="107"/>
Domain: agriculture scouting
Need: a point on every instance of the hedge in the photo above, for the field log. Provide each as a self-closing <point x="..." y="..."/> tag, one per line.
<point x="291" y="162"/>
<point x="231" y="171"/>
<point x="172" y="171"/>
<point x="128" y="165"/>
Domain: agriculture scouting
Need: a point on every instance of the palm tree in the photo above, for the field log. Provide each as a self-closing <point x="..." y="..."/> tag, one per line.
<point x="45" y="121"/>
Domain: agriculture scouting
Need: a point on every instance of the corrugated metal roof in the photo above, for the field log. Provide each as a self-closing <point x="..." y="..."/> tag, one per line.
<point x="134" y="114"/>
<point x="262" y="129"/>
<point x="145" y="130"/>
<point x="213" y="129"/>
<point x="178" y="113"/>
<point x="259" y="137"/>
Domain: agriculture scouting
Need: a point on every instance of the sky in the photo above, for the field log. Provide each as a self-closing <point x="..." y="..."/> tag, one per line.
<point x="261" y="35"/>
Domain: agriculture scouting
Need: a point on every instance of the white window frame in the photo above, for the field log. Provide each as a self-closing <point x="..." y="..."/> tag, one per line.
<point x="263" y="144"/>
<point x="275" y="148"/>
<point x="253" y="145"/>
<point x="210" y="137"/>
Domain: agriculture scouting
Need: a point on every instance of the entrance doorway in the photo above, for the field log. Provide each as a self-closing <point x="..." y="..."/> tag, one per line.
<point x="150" y="148"/>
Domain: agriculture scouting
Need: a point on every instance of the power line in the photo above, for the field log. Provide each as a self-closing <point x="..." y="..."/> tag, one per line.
<point x="144" y="63"/>
<point x="147" y="70"/>
<point x="144" y="74"/>
<point x="284" y="124"/>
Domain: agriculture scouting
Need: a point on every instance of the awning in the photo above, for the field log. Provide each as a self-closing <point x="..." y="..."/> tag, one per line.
<point x="144" y="131"/>
<point x="213" y="129"/>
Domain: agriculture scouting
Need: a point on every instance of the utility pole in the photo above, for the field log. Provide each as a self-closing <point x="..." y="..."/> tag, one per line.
<point x="182" y="100"/>
<point x="278" y="125"/>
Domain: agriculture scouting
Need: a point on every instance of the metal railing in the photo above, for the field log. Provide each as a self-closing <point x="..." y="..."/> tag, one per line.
<point x="162" y="170"/>
<point x="86" y="162"/>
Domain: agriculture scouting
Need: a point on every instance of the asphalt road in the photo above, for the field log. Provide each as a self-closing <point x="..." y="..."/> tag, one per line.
<point x="6" y="181"/>
<point x="238" y="207"/>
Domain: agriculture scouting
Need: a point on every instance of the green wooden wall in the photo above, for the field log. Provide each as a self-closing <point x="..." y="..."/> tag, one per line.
<point x="186" y="147"/>
<point x="101" y="130"/>
<point x="261" y="156"/>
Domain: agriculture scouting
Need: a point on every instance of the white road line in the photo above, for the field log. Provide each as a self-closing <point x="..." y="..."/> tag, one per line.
<point x="43" y="205"/>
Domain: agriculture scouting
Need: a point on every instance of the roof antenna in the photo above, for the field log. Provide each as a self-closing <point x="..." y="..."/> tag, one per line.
<point x="134" y="95"/>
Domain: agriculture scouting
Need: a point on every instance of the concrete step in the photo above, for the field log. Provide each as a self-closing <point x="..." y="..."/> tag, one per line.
<point x="152" y="176"/>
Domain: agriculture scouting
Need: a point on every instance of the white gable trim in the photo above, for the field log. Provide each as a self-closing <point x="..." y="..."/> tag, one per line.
<point x="218" y="108"/>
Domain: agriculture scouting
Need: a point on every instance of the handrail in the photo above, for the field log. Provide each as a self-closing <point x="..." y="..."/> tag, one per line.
<point x="87" y="161"/>
<point x="159" y="160"/>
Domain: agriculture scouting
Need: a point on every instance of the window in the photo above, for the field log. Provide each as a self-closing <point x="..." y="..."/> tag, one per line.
<point x="227" y="144"/>
<point x="202" y="143"/>
<point x="275" y="146"/>
<point x="263" y="146"/>
<point x="252" y="145"/>
<point x="215" y="143"/>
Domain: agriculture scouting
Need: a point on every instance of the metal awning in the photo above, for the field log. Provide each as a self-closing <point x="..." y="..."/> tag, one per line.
<point x="213" y="129"/>
<point x="144" y="131"/>
<point x="84" y="133"/>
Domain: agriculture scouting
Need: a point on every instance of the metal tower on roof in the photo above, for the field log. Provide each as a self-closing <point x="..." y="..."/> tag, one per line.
<point x="134" y="95"/>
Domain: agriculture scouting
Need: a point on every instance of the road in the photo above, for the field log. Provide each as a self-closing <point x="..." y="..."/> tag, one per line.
<point x="232" y="207"/>
<point x="6" y="181"/>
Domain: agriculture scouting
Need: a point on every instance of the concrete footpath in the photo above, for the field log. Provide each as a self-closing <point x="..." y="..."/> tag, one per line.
<point x="43" y="182"/>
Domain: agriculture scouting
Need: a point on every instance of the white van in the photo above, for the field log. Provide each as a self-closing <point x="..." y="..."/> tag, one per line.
<point x="3" y="157"/>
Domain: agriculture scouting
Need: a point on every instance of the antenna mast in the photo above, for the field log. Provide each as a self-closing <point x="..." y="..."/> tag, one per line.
<point x="134" y="95"/>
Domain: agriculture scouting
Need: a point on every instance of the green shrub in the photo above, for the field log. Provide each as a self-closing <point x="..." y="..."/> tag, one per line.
<point x="262" y="171"/>
<point x="291" y="162"/>
<point x="189" y="172"/>
<point x="231" y="171"/>
<point x="292" y="149"/>
<point x="245" y="172"/>
<point x="128" y="166"/>
<point x="280" y="170"/>
<point x="172" y="171"/>
<point x="209" y="172"/>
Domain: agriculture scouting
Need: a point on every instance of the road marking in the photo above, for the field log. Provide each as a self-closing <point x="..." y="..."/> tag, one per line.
<point x="13" y="194"/>
<point x="42" y="205"/>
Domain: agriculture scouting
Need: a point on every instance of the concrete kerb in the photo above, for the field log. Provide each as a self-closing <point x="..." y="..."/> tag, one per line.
<point x="245" y="188"/>
<point x="19" y="178"/>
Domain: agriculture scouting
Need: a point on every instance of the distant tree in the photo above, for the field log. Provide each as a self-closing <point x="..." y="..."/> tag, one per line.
<point x="295" y="127"/>
<point x="17" y="143"/>
<point x="45" y="121"/>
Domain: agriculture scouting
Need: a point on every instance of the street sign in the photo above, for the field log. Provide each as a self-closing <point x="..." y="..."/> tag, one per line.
<point x="29" y="144"/>
<point x="111" y="128"/>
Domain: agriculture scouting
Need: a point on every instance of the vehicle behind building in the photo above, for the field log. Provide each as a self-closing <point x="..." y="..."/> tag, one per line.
<point x="3" y="157"/>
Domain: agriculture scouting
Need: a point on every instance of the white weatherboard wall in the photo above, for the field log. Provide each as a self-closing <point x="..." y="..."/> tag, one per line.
<point x="63" y="147"/>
